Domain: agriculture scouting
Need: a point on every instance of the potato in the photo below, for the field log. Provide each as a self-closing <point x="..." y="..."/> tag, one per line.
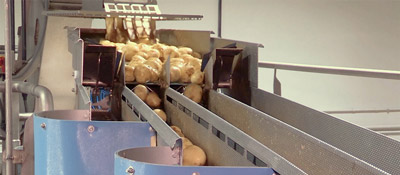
<point x="153" y="100"/>
<point x="186" y="57"/>
<point x="153" y="53"/>
<point x="129" y="73"/>
<point x="185" y="50"/>
<point x="144" y="46"/>
<point x="130" y="51"/>
<point x="194" y="156"/>
<point x="186" y="73"/>
<point x="197" y="77"/>
<point x="175" y="74"/>
<point x="136" y="60"/>
<point x="186" y="142"/>
<point x="154" y="64"/>
<point x="141" y="91"/>
<point x="196" y="55"/>
<point x="194" y="92"/>
<point x="122" y="33"/>
<point x="196" y="63"/>
<point x="119" y="46"/>
<point x="161" y="114"/>
<point x="171" y="52"/>
<point x="154" y="74"/>
<point x="155" y="59"/>
<point x="142" y="54"/>
<point x="160" y="47"/>
<point x="142" y="73"/>
<point x="111" y="33"/>
<point x="106" y="43"/>
<point x="177" y="130"/>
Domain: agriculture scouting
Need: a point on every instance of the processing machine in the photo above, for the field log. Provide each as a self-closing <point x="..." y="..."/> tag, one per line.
<point x="110" y="130"/>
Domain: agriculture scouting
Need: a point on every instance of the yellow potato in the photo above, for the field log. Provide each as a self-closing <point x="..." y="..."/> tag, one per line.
<point x="153" y="100"/>
<point x="177" y="130"/>
<point x="194" y="156"/>
<point x="175" y="74"/>
<point x="194" y="92"/>
<point x="129" y="73"/>
<point x="161" y="114"/>
<point x="141" y="91"/>
<point x="186" y="142"/>
<point x="185" y="50"/>
<point x="142" y="73"/>
<point x="197" y="77"/>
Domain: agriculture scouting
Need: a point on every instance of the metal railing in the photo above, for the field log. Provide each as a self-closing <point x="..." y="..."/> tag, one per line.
<point x="357" y="72"/>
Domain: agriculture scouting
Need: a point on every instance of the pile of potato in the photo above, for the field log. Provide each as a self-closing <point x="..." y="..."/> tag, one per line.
<point x="144" y="62"/>
<point x="193" y="155"/>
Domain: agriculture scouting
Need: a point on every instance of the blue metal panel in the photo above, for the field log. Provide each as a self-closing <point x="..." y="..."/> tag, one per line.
<point x="126" y="166"/>
<point x="75" y="147"/>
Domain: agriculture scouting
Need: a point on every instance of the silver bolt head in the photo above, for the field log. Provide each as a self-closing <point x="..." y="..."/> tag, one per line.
<point x="43" y="125"/>
<point x="90" y="128"/>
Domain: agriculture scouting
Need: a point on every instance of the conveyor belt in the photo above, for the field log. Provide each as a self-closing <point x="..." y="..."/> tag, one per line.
<point x="312" y="155"/>
<point x="371" y="147"/>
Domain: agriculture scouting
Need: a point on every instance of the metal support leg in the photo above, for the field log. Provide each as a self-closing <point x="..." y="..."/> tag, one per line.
<point x="8" y="81"/>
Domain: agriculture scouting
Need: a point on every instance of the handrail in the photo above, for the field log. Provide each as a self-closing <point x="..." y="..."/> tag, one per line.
<point x="371" y="73"/>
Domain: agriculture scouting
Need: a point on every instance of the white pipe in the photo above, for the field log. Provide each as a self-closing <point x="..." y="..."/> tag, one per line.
<point x="8" y="83"/>
<point x="371" y="73"/>
<point x="41" y="92"/>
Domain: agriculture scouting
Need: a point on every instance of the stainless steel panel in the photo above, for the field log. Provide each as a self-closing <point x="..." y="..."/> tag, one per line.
<point x="147" y="114"/>
<point x="304" y="151"/>
<point x="224" y="144"/>
<point x="371" y="147"/>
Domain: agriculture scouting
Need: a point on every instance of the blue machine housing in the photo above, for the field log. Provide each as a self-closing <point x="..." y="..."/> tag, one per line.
<point x="84" y="147"/>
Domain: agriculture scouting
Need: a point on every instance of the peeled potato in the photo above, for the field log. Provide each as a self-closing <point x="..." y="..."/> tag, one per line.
<point x="186" y="142"/>
<point x="141" y="91"/>
<point x="161" y="114"/>
<point x="175" y="74"/>
<point x="129" y="73"/>
<point x="142" y="73"/>
<point x="194" y="156"/>
<point x="197" y="77"/>
<point x="153" y="100"/>
<point x="194" y="92"/>
<point x="185" y="50"/>
<point x="177" y="130"/>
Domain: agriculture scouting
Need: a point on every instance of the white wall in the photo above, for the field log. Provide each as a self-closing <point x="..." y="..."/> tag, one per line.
<point x="17" y="6"/>
<point x="348" y="33"/>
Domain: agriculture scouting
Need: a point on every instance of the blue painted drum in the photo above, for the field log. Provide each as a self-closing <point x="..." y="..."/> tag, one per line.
<point x="160" y="161"/>
<point x="73" y="147"/>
